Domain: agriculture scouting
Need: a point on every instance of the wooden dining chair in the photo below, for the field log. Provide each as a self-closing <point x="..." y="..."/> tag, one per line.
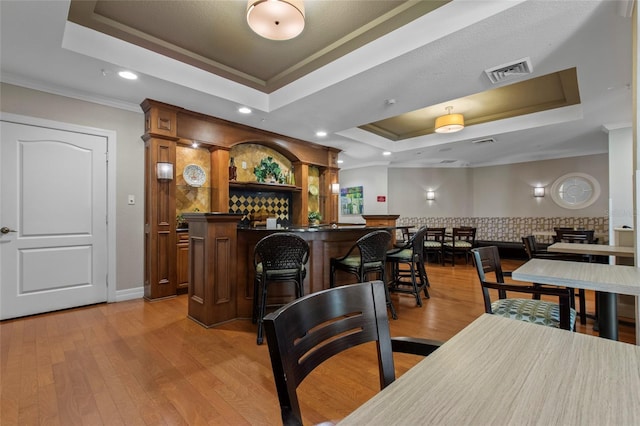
<point x="534" y="310"/>
<point x="308" y="331"/>
<point x="434" y="243"/>
<point x="462" y="241"/>
<point x="575" y="236"/>
<point x="534" y="252"/>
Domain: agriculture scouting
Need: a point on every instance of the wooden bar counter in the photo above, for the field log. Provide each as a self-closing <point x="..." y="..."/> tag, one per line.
<point x="221" y="271"/>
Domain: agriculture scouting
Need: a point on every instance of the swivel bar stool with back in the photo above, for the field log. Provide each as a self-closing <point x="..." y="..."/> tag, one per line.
<point x="411" y="253"/>
<point x="278" y="257"/>
<point x="368" y="255"/>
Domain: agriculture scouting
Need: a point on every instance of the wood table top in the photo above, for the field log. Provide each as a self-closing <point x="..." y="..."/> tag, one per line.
<point x="619" y="279"/>
<point x="507" y="372"/>
<point x="596" y="249"/>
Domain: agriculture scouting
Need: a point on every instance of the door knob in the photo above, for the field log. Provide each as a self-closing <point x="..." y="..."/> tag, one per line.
<point x="5" y="230"/>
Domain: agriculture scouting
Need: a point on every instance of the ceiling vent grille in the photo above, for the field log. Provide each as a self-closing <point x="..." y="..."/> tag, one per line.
<point x="481" y="141"/>
<point x="508" y="71"/>
<point x="447" y="161"/>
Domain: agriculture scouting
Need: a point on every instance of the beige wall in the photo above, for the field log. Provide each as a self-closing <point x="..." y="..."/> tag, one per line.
<point x="496" y="191"/>
<point x="453" y="191"/>
<point x="508" y="190"/>
<point x="129" y="126"/>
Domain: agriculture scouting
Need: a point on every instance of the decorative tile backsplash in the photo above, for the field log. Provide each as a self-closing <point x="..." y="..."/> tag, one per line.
<point x="275" y="204"/>
<point x="510" y="228"/>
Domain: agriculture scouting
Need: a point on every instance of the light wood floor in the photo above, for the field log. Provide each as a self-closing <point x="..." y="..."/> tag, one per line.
<point x="142" y="363"/>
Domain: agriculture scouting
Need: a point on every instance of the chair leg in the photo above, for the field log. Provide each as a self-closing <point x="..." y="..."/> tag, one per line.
<point x="424" y="279"/>
<point x="414" y="283"/>
<point x="332" y="275"/>
<point x="256" y="295"/>
<point x="583" y="306"/>
<point x="390" y="303"/>
<point x="262" y="311"/>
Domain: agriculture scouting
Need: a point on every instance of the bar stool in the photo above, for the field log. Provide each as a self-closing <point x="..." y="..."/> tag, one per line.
<point x="278" y="257"/>
<point x="411" y="254"/>
<point x="367" y="255"/>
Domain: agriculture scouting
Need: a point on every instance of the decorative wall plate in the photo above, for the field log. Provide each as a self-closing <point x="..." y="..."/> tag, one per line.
<point x="194" y="175"/>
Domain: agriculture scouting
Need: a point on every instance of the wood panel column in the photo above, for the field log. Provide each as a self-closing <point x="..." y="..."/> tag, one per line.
<point x="220" y="180"/>
<point x="212" y="267"/>
<point x="329" y="202"/>
<point x="160" y="277"/>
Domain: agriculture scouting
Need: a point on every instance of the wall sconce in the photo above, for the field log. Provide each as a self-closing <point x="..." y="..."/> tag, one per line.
<point x="431" y="195"/>
<point x="164" y="171"/>
<point x="538" y="191"/>
<point x="335" y="188"/>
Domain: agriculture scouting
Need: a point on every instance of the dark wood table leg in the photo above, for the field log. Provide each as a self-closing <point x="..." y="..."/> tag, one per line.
<point x="608" y="315"/>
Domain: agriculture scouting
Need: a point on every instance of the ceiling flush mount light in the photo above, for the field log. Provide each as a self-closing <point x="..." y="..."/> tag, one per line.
<point x="538" y="191"/>
<point x="449" y="123"/>
<point x="276" y="19"/>
<point x="128" y="75"/>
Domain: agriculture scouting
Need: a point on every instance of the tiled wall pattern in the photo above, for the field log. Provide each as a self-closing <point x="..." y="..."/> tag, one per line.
<point x="188" y="198"/>
<point x="251" y="155"/>
<point x="276" y="204"/>
<point x="510" y="228"/>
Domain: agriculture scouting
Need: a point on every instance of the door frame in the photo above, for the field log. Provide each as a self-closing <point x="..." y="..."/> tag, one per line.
<point x="110" y="136"/>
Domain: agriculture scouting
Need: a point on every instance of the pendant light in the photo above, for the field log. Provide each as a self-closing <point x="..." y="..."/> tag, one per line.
<point x="449" y="123"/>
<point x="276" y="19"/>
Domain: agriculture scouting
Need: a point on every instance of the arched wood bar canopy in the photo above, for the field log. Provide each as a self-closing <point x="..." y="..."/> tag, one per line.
<point x="168" y="127"/>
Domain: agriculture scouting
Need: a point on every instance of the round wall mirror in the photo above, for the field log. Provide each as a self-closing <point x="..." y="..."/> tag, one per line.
<point x="575" y="190"/>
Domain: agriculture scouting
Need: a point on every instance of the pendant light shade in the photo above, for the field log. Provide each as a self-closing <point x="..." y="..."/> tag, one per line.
<point x="276" y="19"/>
<point x="449" y="123"/>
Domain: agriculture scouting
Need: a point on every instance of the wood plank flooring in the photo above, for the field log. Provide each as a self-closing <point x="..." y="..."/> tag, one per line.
<point x="145" y="363"/>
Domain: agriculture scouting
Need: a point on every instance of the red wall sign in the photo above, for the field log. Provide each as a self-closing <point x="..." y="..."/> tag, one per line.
<point x="382" y="198"/>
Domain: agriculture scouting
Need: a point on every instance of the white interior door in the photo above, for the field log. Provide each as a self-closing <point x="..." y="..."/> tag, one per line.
<point x="53" y="214"/>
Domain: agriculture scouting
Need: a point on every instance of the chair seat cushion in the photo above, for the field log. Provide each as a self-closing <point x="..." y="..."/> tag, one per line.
<point x="432" y="244"/>
<point x="406" y="254"/>
<point x="279" y="272"/>
<point x="530" y="310"/>
<point x="354" y="262"/>
<point x="459" y="244"/>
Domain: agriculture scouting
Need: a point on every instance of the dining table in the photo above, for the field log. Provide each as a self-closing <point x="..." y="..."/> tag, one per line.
<point x="592" y="249"/>
<point x="607" y="280"/>
<point x="501" y="371"/>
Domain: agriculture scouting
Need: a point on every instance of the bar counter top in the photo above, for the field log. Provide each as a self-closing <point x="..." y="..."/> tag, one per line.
<point x="320" y="228"/>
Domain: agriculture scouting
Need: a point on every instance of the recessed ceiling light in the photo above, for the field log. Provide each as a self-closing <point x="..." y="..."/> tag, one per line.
<point x="340" y="161"/>
<point x="244" y="110"/>
<point x="386" y="153"/>
<point x="128" y="75"/>
<point x="321" y="133"/>
<point x="194" y="144"/>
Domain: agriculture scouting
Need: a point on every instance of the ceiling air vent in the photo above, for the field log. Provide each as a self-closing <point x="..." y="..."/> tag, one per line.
<point x="508" y="71"/>
<point x="447" y="161"/>
<point x="485" y="140"/>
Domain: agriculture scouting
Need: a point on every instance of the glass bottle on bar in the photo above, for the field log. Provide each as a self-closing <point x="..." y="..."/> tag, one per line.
<point x="233" y="171"/>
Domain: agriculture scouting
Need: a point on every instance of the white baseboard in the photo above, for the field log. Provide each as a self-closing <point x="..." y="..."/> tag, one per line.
<point x="129" y="294"/>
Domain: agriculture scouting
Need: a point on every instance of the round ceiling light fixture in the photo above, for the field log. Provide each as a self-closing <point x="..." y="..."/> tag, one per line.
<point x="449" y="123"/>
<point x="276" y="19"/>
